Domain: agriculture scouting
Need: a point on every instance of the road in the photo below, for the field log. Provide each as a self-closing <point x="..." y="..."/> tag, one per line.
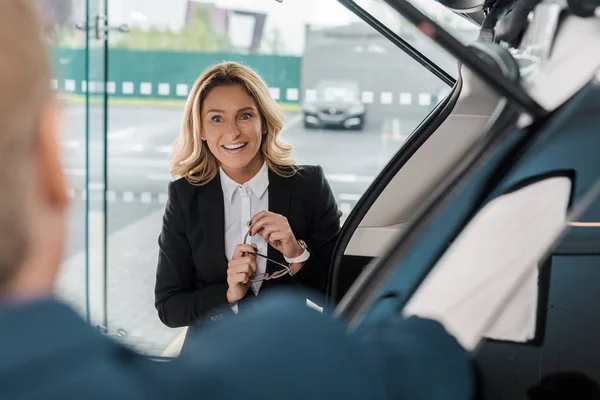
<point x="139" y="141"/>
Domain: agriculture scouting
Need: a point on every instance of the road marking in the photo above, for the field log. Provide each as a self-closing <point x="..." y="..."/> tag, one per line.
<point x="396" y="137"/>
<point x="346" y="203"/>
<point x="74" y="172"/>
<point x="159" y="177"/>
<point x="139" y="162"/>
<point x="71" y="144"/>
<point x="350" y="197"/>
<point x="122" y="133"/>
<point x="164" y="149"/>
<point x="136" y="148"/>
<point x="396" y="125"/>
<point x="397" y="130"/>
<point x="345" y="208"/>
<point x="348" y="178"/>
<point x="337" y="178"/>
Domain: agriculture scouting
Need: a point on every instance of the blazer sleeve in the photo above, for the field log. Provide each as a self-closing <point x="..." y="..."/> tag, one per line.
<point x="324" y="231"/>
<point x="178" y="299"/>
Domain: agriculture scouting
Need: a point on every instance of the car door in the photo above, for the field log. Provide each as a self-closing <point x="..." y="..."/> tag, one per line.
<point x="435" y="143"/>
<point x="505" y="159"/>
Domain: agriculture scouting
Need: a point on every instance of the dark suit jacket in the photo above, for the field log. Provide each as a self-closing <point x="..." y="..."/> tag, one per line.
<point x="191" y="278"/>
<point x="48" y="352"/>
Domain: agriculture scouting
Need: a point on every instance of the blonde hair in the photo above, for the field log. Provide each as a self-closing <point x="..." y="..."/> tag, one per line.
<point x="25" y="83"/>
<point x="191" y="157"/>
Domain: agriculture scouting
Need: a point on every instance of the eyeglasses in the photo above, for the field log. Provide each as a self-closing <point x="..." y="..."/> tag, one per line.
<point x="287" y="269"/>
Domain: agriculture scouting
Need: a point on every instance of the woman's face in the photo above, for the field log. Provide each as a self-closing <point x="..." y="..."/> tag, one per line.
<point x="232" y="128"/>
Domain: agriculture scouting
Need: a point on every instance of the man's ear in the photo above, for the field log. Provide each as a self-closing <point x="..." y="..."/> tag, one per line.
<point x="48" y="158"/>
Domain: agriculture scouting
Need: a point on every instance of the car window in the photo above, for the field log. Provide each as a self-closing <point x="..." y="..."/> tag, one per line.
<point x="461" y="28"/>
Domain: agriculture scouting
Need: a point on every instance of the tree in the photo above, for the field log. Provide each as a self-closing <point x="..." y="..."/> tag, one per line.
<point x="274" y="42"/>
<point x="197" y="35"/>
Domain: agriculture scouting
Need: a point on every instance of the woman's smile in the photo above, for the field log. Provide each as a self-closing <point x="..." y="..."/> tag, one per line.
<point x="234" y="148"/>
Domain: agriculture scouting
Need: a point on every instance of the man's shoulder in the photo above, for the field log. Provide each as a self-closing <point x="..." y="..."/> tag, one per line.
<point x="65" y="356"/>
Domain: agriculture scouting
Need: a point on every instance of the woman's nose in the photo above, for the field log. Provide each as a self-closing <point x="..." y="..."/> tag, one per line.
<point x="232" y="130"/>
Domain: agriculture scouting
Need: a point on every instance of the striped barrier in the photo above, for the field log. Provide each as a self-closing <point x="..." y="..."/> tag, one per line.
<point x="181" y="90"/>
<point x="345" y="201"/>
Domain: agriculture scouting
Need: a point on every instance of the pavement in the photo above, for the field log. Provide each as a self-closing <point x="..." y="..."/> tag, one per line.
<point x="139" y="141"/>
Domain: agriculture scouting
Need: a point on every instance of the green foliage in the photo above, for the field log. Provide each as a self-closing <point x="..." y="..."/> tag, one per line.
<point x="274" y="42"/>
<point x="64" y="36"/>
<point x="197" y="35"/>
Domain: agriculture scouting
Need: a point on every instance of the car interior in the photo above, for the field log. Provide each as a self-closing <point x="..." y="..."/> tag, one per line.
<point x="478" y="144"/>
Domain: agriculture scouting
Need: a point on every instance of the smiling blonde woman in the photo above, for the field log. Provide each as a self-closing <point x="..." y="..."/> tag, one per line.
<point x="193" y="159"/>
<point x="241" y="218"/>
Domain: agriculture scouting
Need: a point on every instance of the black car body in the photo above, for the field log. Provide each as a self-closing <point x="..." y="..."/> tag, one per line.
<point x="335" y="104"/>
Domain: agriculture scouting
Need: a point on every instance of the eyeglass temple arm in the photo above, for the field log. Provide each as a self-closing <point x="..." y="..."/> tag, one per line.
<point x="273" y="261"/>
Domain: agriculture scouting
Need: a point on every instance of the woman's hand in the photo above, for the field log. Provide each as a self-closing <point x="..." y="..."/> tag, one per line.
<point x="277" y="232"/>
<point x="239" y="272"/>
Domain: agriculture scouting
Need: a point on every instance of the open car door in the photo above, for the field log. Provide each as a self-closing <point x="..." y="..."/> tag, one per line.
<point x="488" y="221"/>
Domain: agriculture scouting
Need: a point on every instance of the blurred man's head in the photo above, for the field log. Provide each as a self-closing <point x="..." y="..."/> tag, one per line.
<point x="32" y="191"/>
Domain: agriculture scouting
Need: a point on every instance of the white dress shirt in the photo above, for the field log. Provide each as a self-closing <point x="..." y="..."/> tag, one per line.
<point x="242" y="202"/>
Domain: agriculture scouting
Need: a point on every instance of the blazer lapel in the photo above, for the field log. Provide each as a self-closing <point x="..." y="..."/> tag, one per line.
<point x="212" y="211"/>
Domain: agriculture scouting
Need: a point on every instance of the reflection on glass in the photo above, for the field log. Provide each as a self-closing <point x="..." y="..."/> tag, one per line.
<point x="66" y="46"/>
<point x="463" y="29"/>
<point x="350" y="99"/>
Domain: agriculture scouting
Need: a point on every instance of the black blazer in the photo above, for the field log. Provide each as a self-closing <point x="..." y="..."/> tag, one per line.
<point x="191" y="278"/>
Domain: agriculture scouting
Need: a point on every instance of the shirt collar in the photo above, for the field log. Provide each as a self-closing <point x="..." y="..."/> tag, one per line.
<point x="258" y="184"/>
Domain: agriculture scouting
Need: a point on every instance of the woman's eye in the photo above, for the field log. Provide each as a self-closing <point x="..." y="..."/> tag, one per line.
<point x="246" y="116"/>
<point x="217" y="119"/>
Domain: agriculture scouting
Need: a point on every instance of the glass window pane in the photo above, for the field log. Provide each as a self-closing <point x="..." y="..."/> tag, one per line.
<point x="66" y="46"/>
<point x="464" y="30"/>
<point x="349" y="97"/>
